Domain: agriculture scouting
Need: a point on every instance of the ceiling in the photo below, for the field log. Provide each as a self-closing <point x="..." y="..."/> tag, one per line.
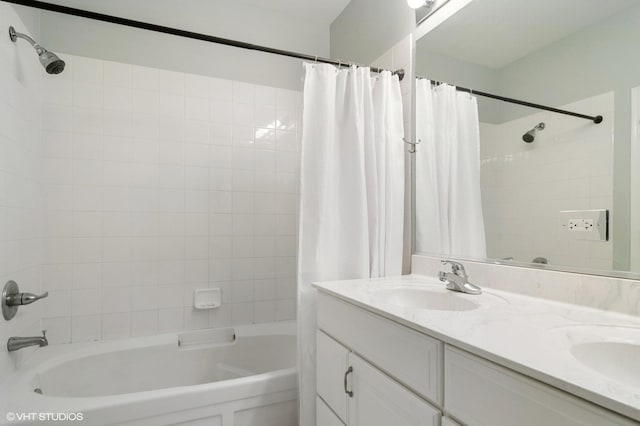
<point x="321" y="11"/>
<point x="495" y="33"/>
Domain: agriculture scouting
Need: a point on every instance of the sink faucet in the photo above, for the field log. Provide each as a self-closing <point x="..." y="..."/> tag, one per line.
<point x="457" y="279"/>
<point x="16" y="343"/>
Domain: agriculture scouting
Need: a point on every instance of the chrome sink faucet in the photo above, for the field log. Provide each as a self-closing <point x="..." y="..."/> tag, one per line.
<point x="16" y="343"/>
<point x="457" y="279"/>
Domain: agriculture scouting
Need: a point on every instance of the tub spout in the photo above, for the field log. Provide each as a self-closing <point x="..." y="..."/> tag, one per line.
<point x="17" y="343"/>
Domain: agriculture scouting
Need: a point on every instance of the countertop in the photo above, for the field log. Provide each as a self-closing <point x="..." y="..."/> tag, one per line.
<point x="529" y="335"/>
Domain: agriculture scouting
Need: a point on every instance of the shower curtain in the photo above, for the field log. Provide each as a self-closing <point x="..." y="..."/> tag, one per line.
<point x="352" y="193"/>
<point x="449" y="218"/>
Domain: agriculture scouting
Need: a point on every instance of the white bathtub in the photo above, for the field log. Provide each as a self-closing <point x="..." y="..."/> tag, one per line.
<point x="249" y="380"/>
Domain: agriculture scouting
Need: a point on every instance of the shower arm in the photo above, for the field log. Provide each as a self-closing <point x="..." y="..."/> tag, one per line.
<point x="14" y="35"/>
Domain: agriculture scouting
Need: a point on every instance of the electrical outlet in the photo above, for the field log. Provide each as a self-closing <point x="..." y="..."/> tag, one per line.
<point x="584" y="225"/>
<point x="580" y="225"/>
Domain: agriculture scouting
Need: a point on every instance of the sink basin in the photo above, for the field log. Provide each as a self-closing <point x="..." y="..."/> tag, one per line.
<point x="617" y="360"/>
<point x="418" y="298"/>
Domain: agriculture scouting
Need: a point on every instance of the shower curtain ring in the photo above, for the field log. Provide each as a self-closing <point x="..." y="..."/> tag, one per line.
<point x="412" y="148"/>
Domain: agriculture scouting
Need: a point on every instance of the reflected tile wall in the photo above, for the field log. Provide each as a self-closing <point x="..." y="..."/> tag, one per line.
<point x="525" y="186"/>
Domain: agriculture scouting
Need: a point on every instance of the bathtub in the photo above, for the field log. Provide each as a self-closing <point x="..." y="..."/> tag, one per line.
<point x="222" y="377"/>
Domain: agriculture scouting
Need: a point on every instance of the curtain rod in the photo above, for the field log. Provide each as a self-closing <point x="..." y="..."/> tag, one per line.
<point x="596" y="119"/>
<point x="182" y="33"/>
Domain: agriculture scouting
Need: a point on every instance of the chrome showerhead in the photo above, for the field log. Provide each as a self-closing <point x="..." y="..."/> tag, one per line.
<point x="49" y="60"/>
<point x="530" y="136"/>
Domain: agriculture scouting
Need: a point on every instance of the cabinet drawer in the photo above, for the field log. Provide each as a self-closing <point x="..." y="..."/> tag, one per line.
<point x="481" y="393"/>
<point x="324" y="415"/>
<point x="412" y="358"/>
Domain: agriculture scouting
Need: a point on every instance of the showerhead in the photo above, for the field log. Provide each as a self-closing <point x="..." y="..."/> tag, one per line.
<point x="530" y="136"/>
<point x="49" y="60"/>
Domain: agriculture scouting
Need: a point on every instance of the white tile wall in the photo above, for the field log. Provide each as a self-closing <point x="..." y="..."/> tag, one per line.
<point x="20" y="181"/>
<point x="158" y="183"/>
<point x="525" y="186"/>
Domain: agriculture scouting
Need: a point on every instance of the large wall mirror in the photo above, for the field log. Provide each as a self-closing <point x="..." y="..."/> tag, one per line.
<point x="499" y="181"/>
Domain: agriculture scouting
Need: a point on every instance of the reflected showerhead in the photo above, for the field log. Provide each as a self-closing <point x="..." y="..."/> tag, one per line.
<point x="49" y="60"/>
<point x="530" y="136"/>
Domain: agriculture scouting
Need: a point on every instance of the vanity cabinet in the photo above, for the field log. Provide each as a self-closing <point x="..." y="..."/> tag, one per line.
<point x="361" y="395"/>
<point x="372" y="371"/>
<point x="479" y="392"/>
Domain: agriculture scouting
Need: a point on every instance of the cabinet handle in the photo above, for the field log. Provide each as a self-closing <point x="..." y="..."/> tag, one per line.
<point x="346" y="374"/>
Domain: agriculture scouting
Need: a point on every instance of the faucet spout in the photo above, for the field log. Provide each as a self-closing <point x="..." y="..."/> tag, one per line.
<point x="17" y="343"/>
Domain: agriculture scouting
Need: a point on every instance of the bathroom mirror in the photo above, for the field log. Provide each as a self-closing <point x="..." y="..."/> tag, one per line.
<point x="555" y="191"/>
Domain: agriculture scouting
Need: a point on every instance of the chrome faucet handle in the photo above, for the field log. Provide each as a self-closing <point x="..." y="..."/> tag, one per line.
<point x="12" y="298"/>
<point x="456" y="267"/>
<point x="20" y="299"/>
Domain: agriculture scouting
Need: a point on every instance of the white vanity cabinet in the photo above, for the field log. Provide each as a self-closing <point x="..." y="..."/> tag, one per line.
<point x="361" y="395"/>
<point x="372" y="371"/>
<point x="479" y="392"/>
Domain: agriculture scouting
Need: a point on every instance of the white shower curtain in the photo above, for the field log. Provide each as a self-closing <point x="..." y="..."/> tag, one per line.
<point x="449" y="218"/>
<point x="352" y="193"/>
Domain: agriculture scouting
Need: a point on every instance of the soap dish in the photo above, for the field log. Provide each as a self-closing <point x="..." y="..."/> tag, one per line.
<point x="206" y="298"/>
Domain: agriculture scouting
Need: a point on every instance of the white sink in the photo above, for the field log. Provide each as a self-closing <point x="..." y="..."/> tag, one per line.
<point x="418" y="298"/>
<point x="617" y="360"/>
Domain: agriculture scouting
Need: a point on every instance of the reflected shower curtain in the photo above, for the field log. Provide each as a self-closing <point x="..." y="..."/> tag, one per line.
<point x="352" y="193"/>
<point x="449" y="216"/>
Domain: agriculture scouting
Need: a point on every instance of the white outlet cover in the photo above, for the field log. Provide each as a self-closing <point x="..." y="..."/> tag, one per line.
<point x="581" y="225"/>
<point x="584" y="225"/>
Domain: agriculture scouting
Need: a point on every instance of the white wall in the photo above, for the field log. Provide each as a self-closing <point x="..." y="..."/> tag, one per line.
<point x="221" y="18"/>
<point x="366" y="29"/>
<point x="525" y="186"/>
<point x="159" y="183"/>
<point x="20" y="181"/>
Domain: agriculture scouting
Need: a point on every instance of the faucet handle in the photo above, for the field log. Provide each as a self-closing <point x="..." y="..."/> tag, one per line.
<point x="44" y="333"/>
<point x="456" y="267"/>
<point x="19" y="299"/>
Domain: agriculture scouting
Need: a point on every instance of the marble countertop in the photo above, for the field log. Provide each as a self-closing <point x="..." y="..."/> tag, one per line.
<point x="530" y="335"/>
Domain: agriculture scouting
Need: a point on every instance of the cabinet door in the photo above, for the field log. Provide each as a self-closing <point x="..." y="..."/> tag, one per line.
<point x="446" y="421"/>
<point x="378" y="400"/>
<point x="331" y="367"/>
<point x="324" y="415"/>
